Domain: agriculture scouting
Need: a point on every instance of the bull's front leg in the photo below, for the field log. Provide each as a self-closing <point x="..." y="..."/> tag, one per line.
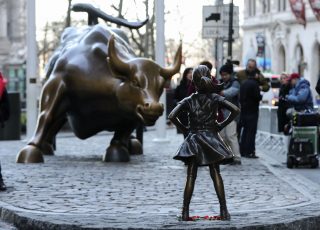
<point x="118" y="149"/>
<point x="51" y="118"/>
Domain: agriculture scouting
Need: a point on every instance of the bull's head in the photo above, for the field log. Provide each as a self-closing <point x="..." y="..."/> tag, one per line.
<point x="142" y="83"/>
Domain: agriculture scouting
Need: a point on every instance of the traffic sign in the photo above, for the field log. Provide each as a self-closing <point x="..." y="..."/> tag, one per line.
<point x="215" y="21"/>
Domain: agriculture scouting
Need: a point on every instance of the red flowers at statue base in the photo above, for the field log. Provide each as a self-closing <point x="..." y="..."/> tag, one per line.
<point x="196" y="218"/>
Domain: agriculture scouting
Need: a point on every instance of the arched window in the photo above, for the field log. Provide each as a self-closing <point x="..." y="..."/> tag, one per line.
<point x="315" y="64"/>
<point x="282" y="60"/>
<point x="300" y="63"/>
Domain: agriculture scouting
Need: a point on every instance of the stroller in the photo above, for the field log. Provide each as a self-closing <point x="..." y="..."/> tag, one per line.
<point x="304" y="141"/>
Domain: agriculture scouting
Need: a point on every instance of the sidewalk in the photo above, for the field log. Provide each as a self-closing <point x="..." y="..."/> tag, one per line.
<point x="76" y="190"/>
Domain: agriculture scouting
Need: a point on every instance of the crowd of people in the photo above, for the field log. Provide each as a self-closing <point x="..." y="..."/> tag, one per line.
<point x="244" y="89"/>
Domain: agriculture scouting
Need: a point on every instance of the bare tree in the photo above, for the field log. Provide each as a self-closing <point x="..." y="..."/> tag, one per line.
<point x="143" y="39"/>
<point x="50" y="41"/>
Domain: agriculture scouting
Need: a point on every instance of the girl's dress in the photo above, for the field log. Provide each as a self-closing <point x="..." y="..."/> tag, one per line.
<point x="203" y="142"/>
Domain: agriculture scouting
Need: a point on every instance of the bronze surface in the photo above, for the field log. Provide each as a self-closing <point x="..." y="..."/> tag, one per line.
<point x="96" y="83"/>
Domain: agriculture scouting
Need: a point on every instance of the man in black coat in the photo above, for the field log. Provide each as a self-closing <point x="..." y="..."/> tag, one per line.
<point x="249" y="103"/>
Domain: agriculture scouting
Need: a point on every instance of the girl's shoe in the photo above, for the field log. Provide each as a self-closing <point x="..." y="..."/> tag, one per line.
<point x="185" y="213"/>
<point x="224" y="214"/>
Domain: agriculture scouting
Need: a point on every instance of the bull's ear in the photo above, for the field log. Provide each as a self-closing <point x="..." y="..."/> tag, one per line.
<point x="167" y="73"/>
<point x="116" y="63"/>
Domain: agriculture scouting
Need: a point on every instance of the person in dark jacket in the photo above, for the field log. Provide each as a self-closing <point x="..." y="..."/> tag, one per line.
<point x="249" y="103"/>
<point x="252" y="69"/>
<point x="283" y="104"/>
<point x="203" y="145"/>
<point x="181" y="92"/>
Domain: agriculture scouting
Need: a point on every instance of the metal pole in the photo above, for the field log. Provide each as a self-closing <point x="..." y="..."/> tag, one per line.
<point x="219" y="43"/>
<point x="68" y="19"/>
<point x="264" y="52"/>
<point x="230" y="40"/>
<point x="160" y="57"/>
<point x="32" y="89"/>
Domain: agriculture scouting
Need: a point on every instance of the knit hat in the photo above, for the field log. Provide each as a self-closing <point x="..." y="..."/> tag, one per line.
<point x="294" y="76"/>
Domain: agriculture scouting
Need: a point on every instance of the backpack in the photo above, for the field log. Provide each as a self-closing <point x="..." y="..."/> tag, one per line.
<point x="4" y="107"/>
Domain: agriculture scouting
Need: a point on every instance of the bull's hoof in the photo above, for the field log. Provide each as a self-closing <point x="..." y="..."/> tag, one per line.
<point x="116" y="153"/>
<point x="30" y="154"/>
<point x="47" y="149"/>
<point x="135" y="147"/>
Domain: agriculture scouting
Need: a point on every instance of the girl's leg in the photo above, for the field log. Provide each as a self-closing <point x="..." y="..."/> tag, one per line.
<point x="219" y="187"/>
<point x="191" y="178"/>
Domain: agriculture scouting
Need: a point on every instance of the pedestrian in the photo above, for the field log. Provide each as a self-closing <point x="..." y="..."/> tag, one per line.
<point x="249" y="103"/>
<point x="231" y="89"/>
<point x="4" y="113"/>
<point x="300" y="95"/>
<point x="283" y="104"/>
<point x="203" y="145"/>
<point x="181" y="92"/>
<point x="251" y="69"/>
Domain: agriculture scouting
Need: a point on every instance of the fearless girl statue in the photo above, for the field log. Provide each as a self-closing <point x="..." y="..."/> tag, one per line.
<point x="203" y="145"/>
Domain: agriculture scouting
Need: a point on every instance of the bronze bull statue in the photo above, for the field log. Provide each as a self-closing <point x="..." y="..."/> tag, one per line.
<point x="97" y="83"/>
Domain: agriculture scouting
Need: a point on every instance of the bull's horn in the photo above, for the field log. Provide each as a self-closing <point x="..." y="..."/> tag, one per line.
<point x="167" y="73"/>
<point x="116" y="63"/>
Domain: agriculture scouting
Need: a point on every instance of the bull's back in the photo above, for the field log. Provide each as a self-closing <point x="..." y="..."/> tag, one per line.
<point x="90" y="84"/>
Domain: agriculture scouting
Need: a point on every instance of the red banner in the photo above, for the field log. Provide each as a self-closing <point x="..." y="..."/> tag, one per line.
<point x="315" y="5"/>
<point x="298" y="9"/>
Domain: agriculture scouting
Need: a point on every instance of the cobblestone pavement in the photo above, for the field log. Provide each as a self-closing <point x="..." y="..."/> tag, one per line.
<point x="76" y="190"/>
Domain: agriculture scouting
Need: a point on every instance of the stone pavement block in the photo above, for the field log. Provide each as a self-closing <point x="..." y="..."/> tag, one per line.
<point x="76" y="190"/>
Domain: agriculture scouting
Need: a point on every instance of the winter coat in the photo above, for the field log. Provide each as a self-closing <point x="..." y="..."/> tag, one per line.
<point x="300" y="96"/>
<point x="242" y="75"/>
<point x="231" y="90"/>
<point x="250" y="96"/>
<point x="283" y="105"/>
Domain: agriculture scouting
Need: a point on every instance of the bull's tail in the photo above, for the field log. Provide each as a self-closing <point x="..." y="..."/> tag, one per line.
<point x="95" y="13"/>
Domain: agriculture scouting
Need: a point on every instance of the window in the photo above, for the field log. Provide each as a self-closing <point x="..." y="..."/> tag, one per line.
<point x="265" y="6"/>
<point x="252" y="8"/>
<point x="282" y="5"/>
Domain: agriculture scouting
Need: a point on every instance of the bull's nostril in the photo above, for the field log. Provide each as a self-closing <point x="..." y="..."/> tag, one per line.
<point x="146" y="105"/>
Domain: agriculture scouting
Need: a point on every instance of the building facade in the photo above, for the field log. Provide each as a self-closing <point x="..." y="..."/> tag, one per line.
<point x="288" y="46"/>
<point x="13" y="44"/>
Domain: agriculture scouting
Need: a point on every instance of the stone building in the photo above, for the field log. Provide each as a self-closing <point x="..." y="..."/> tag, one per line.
<point x="13" y="44"/>
<point x="289" y="46"/>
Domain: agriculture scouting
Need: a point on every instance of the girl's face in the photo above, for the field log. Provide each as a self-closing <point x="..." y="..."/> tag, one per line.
<point x="189" y="75"/>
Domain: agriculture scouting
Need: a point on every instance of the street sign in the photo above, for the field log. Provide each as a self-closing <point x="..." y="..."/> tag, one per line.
<point x="215" y="21"/>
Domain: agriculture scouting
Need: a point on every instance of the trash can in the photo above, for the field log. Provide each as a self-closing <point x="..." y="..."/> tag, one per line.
<point x="11" y="129"/>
